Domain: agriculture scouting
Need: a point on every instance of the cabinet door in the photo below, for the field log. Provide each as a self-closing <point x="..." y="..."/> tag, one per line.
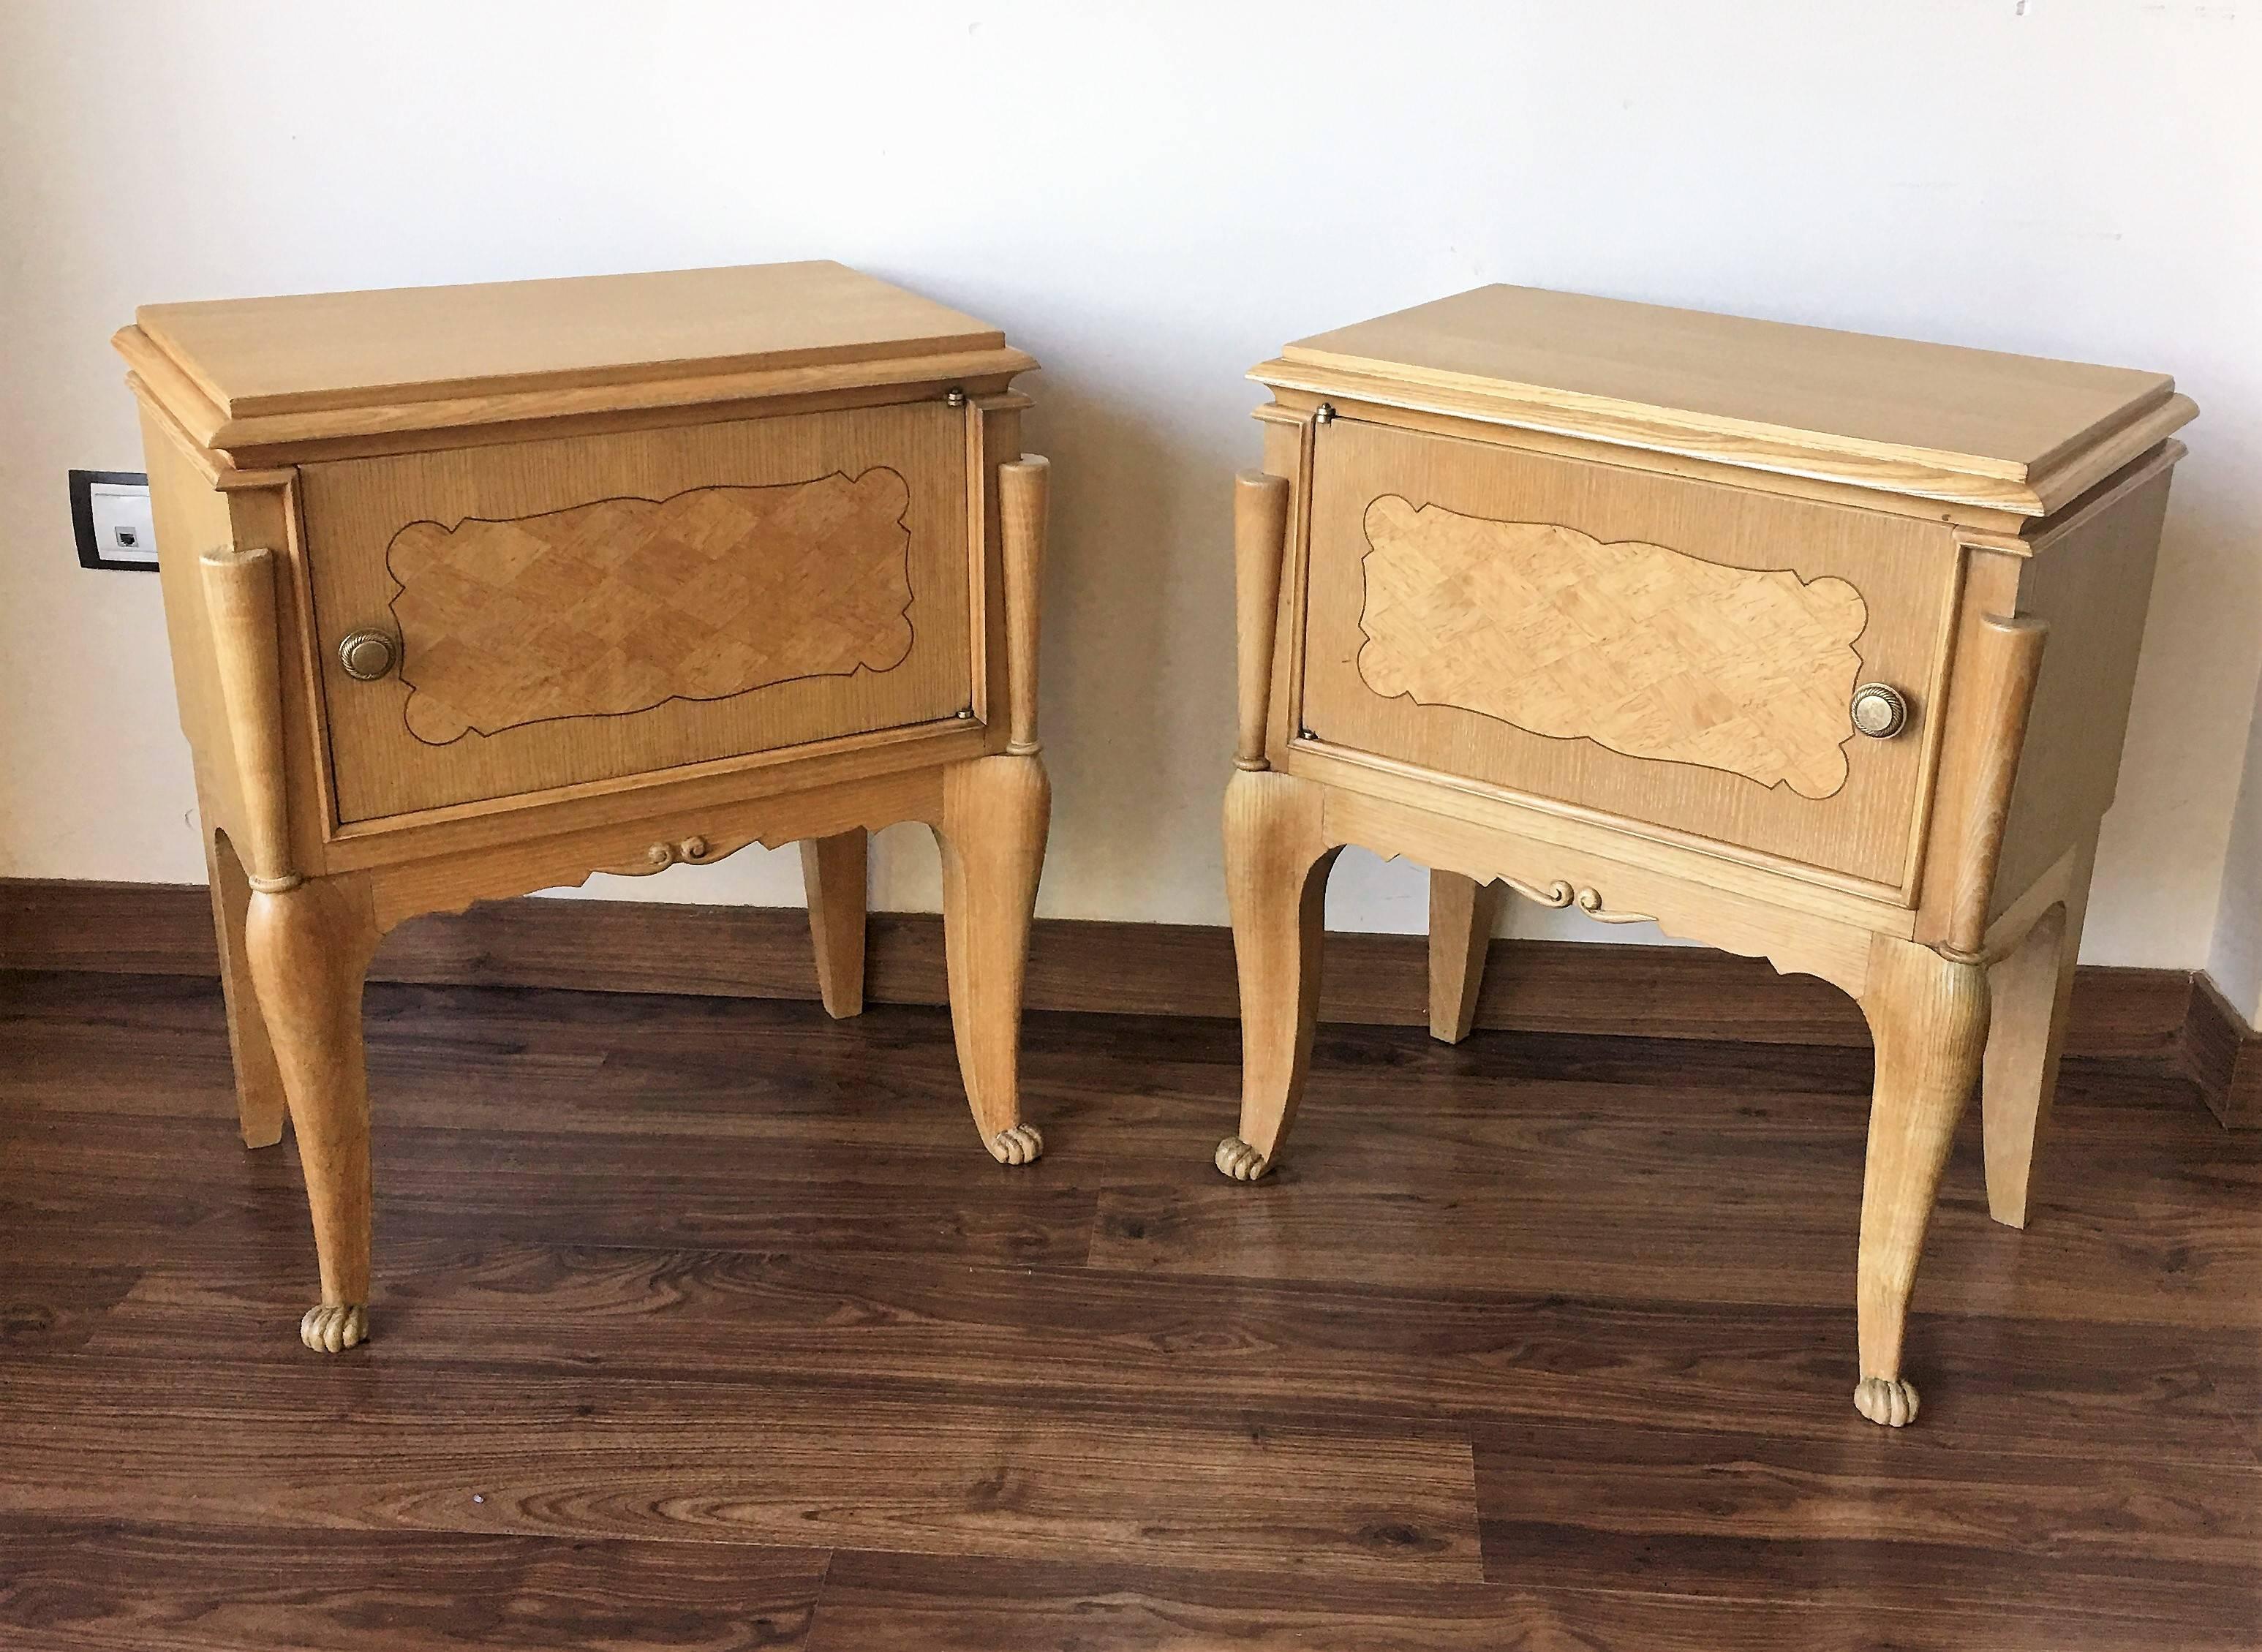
<point x="588" y="609"/>
<point x="1674" y="654"/>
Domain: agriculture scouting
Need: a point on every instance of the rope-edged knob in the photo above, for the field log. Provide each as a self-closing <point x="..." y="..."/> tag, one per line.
<point x="366" y="655"/>
<point x="1879" y="710"/>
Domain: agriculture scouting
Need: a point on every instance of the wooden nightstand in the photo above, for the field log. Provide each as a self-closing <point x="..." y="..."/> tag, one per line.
<point x="477" y="591"/>
<point x="1735" y="625"/>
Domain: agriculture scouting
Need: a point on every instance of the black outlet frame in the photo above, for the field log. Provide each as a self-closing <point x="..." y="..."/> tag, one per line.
<point x="82" y="502"/>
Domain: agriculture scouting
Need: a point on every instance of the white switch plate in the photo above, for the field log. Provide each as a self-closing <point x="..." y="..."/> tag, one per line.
<point x="110" y="510"/>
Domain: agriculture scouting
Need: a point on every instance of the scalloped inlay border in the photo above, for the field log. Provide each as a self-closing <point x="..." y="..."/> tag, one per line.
<point x="1644" y="650"/>
<point x="623" y="604"/>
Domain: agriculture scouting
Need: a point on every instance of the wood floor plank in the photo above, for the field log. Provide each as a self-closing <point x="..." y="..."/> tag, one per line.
<point x="54" y="1305"/>
<point x="2199" y="1268"/>
<point x="346" y="1445"/>
<point x="1863" y="1520"/>
<point x="1287" y="1349"/>
<point x="2235" y="1374"/>
<point x="445" y="1058"/>
<point x="673" y="1293"/>
<point x="894" y="1602"/>
<point x="628" y="1188"/>
<point x="2151" y="1227"/>
<point x="119" y="1586"/>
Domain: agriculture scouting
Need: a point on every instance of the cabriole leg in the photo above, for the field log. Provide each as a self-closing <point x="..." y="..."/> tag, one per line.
<point x="309" y="948"/>
<point x="1928" y="1017"/>
<point x="1276" y="878"/>
<point x="995" y="812"/>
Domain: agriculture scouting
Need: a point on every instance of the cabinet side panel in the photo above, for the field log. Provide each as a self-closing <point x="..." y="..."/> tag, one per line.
<point x="2093" y="585"/>
<point x="192" y="517"/>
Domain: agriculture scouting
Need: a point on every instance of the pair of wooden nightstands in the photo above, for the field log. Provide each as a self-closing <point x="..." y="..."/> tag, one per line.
<point x="1740" y="627"/>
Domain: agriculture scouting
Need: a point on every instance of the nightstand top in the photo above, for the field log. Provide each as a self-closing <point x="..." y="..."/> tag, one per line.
<point x="2012" y="433"/>
<point x="255" y="371"/>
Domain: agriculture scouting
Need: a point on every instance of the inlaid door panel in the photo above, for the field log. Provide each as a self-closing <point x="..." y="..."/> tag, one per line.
<point x="1669" y="651"/>
<point x="590" y="608"/>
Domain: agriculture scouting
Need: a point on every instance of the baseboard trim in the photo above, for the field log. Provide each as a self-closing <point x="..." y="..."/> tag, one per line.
<point x="1119" y="967"/>
<point x="2223" y="1055"/>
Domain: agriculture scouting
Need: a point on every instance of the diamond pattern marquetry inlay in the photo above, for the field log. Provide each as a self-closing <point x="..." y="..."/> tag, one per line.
<point x="1643" y="649"/>
<point x="623" y="604"/>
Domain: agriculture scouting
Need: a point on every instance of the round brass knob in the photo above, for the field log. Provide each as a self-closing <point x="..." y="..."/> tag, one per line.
<point x="366" y="655"/>
<point x="1879" y="710"/>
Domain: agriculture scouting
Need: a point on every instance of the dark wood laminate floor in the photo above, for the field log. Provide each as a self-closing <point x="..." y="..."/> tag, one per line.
<point x="707" y="1323"/>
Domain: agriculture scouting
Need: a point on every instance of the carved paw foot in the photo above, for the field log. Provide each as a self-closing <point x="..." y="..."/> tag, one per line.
<point x="1886" y="1400"/>
<point x="1241" y="1161"/>
<point x="1019" y="1145"/>
<point x="333" y="1327"/>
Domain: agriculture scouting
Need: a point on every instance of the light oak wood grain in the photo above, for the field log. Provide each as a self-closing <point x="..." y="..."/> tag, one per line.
<point x="1585" y="833"/>
<point x="1462" y="915"/>
<point x="832" y="878"/>
<point x="1900" y="573"/>
<point x="1024" y="493"/>
<point x="623" y="642"/>
<point x="2030" y="989"/>
<point x="996" y="812"/>
<point x="190" y="517"/>
<point x="505" y="867"/>
<point x="1937" y="421"/>
<point x="670" y="680"/>
<point x="1471" y="426"/>
<point x="1260" y="521"/>
<point x="1578" y="598"/>
<point x="261" y="1107"/>
<point x="2001" y="660"/>
<point x="1637" y="647"/>
<point x="1291" y="437"/>
<point x="309" y="947"/>
<point x="339" y="350"/>
<point x="1277" y="861"/>
<point x="342" y="372"/>
<point x="1602" y="885"/>
<point x="616" y="607"/>
<point x="1928" y="1015"/>
<point x="2089" y="577"/>
<point x="239" y="592"/>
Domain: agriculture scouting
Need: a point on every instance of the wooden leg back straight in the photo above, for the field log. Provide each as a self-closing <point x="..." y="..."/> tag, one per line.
<point x="1462" y="913"/>
<point x="260" y="1106"/>
<point x="833" y="877"/>
<point x="2032" y="989"/>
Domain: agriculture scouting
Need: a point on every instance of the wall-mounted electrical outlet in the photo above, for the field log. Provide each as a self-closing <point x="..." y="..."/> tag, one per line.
<point x="110" y="510"/>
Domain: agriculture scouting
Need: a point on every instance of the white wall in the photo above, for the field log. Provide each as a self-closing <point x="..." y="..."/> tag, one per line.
<point x="1150" y="196"/>
<point x="2235" y="959"/>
